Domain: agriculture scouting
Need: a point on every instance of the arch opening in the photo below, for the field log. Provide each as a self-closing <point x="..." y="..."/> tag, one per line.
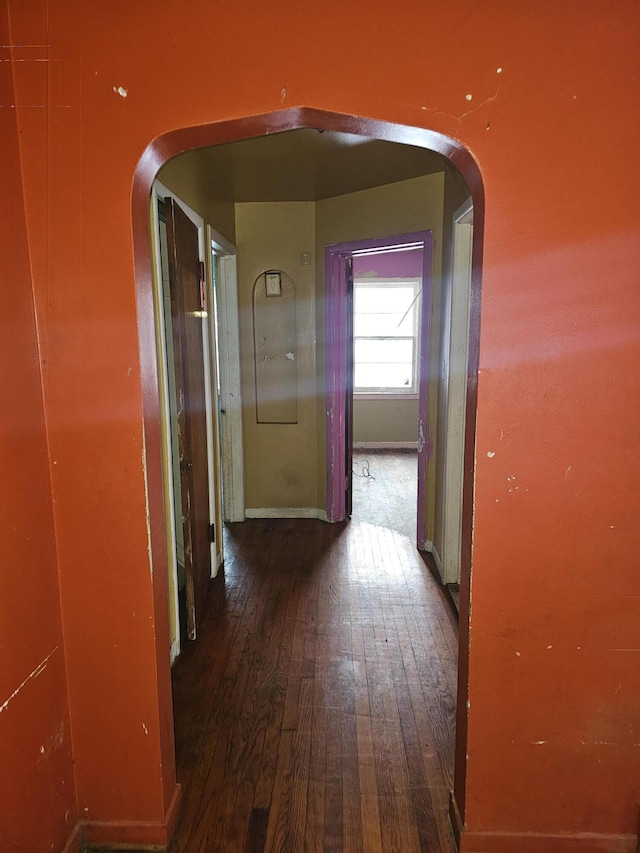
<point x="159" y="153"/>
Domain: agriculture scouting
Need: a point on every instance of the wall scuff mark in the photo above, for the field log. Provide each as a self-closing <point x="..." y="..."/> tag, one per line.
<point x="36" y="672"/>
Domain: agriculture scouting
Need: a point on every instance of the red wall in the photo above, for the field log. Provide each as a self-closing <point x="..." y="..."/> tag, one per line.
<point x="554" y="674"/>
<point x="37" y="792"/>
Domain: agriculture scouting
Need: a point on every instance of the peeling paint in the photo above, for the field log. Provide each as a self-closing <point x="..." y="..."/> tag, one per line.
<point x="120" y="90"/>
<point x="490" y="454"/>
<point x="34" y="674"/>
<point x="55" y="741"/>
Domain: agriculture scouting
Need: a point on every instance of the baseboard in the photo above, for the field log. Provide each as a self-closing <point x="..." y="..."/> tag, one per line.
<point x="286" y="512"/>
<point x="430" y="548"/>
<point x="468" y="841"/>
<point x="437" y="561"/>
<point x="538" y="842"/>
<point x="385" y="445"/>
<point x="174" y="650"/>
<point x="128" y="835"/>
<point x="75" y="841"/>
<point x="455" y="819"/>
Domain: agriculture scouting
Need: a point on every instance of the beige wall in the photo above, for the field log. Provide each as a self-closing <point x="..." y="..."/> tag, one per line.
<point x="285" y="463"/>
<point x="280" y="459"/>
<point x="385" y="420"/>
<point x="187" y="176"/>
<point x="403" y="207"/>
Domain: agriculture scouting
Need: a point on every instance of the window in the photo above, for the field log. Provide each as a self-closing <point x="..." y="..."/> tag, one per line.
<point x="386" y="341"/>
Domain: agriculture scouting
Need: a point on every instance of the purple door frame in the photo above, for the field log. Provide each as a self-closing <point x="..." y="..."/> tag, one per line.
<point x="336" y="344"/>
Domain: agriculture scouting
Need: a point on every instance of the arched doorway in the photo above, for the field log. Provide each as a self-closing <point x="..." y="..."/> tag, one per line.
<point x="161" y="150"/>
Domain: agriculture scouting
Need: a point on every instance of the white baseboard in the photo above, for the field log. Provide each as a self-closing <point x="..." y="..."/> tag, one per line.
<point x="385" y="445"/>
<point x="286" y="512"/>
<point x="430" y="547"/>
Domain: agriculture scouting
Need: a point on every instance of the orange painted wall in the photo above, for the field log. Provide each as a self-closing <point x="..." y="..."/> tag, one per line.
<point x="37" y="791"/>
<point x="554" y="674"/>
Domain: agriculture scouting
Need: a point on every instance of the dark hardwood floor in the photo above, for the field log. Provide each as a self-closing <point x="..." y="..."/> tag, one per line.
<point x="315" y="712"/>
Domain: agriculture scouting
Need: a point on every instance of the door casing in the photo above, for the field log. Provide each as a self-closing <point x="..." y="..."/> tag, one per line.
<point x="338" y="340"/>
<point x="206" y="237"/>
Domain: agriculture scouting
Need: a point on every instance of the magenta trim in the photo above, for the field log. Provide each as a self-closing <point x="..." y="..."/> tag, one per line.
<point x="335" y="307"/>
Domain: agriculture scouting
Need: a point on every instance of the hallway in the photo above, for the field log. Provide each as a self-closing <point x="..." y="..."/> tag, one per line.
<point x="316" y="709"/>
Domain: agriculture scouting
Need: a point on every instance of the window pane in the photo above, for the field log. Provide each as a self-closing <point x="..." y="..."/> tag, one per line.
<point x="384" y="311"/>
<point x="385" y="317"/>
<point x="383" y="376"/>
<point x="383" y="352"/>
<point x="380" y="325"/>
<point x="381" y="300"/>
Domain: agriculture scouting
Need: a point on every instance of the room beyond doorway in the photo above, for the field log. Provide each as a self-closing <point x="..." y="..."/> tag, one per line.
<point x="384" y="490"/>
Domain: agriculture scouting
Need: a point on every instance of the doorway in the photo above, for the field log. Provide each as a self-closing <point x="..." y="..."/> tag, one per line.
<point x="194" y="268"/>
<point x="400" y="333"/>
<point x="308" y="119"/>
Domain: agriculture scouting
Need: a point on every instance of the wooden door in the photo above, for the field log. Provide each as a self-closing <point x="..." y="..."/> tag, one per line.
<point x="187" y="330"/>
<point x="348" y="445"/>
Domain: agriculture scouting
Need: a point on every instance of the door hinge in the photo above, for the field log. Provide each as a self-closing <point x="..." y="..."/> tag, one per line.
<point x="212" y="533"/>
<point x="346" y="483"/>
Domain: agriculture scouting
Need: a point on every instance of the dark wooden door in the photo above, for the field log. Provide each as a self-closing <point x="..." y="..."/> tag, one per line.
<point x="186" y="317"/>
<point x="348" y="445"/>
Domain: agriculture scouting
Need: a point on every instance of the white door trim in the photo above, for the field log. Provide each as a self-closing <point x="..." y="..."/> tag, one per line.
<point x="230" y="394"/>
<point x="159" y="190"/>
<point x="462" y="244"/>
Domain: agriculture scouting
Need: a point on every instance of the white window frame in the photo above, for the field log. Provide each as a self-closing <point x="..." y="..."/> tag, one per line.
<point x="380" y="392"/>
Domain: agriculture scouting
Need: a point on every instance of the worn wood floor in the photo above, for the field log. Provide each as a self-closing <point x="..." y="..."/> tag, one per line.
<point x="315" y="712"/>
<point x="385" y="490"/>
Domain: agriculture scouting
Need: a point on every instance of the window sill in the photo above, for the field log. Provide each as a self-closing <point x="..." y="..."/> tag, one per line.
<point x="365" y="395"/>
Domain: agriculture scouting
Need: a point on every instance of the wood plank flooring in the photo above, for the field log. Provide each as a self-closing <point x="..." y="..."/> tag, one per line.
<point x="316" y="710"/>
